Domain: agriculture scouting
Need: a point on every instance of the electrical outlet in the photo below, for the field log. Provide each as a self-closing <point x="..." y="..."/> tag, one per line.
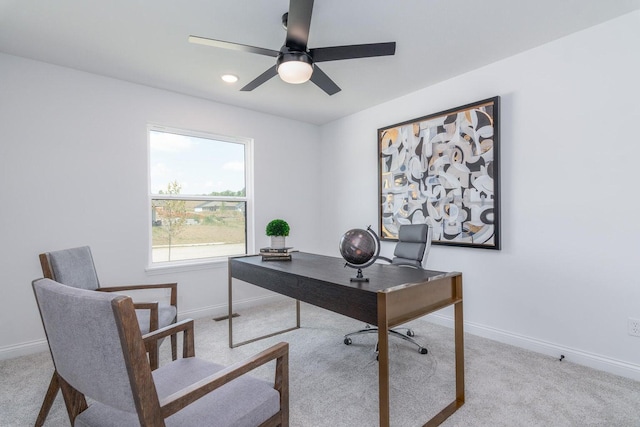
<point x="634" y="327"/>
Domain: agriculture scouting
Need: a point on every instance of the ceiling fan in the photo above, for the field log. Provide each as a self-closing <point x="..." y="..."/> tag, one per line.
<point x="295" y="62"/>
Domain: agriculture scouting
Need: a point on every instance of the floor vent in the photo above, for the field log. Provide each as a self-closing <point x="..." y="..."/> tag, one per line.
<point x="219" y="319"/>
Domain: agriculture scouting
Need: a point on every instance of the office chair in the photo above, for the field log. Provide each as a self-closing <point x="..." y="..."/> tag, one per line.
<point x="104" y="361"/>
<point x="74" y="267"/>
<point x="414" y="242"/>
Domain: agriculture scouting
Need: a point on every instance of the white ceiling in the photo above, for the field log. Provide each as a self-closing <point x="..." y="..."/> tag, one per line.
<point x="145" y="41"/>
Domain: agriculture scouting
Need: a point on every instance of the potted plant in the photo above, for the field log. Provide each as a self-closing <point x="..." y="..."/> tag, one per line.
<point x="277" y="229"/>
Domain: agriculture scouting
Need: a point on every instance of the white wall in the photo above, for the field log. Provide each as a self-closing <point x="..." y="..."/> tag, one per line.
<point x="73" y="164"/>
<point x="566" y="279"/>
<point x="73" y="170"/>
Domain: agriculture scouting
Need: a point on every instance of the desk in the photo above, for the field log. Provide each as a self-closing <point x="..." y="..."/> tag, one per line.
<point x="393" y="295"/>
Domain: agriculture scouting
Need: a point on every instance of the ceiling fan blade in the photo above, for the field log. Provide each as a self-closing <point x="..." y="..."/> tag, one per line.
<point x="323" y="81"/>
<point x="262" y="78"/>
<point x="298" y="23"/>
<point x="335" y="53"/>
<point x="233" y="46"/>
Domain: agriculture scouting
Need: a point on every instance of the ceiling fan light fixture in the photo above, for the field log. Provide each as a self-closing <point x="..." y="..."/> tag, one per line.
<point x="294" y="67"/>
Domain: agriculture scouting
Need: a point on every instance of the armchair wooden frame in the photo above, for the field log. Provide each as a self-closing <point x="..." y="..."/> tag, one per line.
<point x="151" y="410"/>
<point x="153" y="354"/>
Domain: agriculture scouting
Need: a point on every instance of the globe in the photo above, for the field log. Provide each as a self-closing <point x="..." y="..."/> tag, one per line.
<point x="360" y="248"/>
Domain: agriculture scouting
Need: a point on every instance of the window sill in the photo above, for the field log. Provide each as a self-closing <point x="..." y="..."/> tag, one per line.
<point x="181" y="266"/>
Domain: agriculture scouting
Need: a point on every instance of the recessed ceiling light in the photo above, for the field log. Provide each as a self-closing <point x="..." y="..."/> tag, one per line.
<point x="229" y="78"/>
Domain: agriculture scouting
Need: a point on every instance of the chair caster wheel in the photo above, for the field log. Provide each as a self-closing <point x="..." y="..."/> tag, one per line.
<point x="410" y="333"/>
<point x="423" y="350"/>
<point x="347" y="341"/>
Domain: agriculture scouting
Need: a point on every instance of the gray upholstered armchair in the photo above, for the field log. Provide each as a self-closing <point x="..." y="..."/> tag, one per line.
<point x="414" y="242"/>
<point x="75" y="267"/>
<point x="105" y="360"/>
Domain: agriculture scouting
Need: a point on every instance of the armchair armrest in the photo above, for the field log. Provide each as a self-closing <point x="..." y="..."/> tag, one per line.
<point x="172" y="286"/>
<point x="186" y="326"/>
<point x="151" y="306"/>
<point x="279" y="352"/>
<point x="153" y="315"/>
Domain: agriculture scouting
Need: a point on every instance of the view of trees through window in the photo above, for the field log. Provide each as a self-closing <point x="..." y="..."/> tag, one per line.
<point x="198" y="196"/>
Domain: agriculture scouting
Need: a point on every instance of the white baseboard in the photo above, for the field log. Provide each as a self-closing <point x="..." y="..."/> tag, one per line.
<point x="596" y="361"/>
<point x="23" y="349"/>
<point x="223" y="309"/>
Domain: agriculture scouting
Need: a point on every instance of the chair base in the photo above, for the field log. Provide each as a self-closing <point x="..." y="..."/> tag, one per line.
<point x="407" y="336"/>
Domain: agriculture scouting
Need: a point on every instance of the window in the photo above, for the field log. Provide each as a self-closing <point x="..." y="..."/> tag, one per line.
<point x="200" y="195"/>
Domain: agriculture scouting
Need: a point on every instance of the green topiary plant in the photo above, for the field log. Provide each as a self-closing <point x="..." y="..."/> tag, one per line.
<point x="277" y="227"/>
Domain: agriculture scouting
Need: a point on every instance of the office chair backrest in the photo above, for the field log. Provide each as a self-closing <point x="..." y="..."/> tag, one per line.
<point x="85" y="341"/>
<point x="72" y="267"/>
<point x="414" y="241"/>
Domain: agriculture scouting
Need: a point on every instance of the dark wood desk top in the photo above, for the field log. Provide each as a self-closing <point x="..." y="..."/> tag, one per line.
<point x="325" y="281"/>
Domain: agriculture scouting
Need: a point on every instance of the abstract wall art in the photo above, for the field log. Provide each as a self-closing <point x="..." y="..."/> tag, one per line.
<point x="443" y="169"/>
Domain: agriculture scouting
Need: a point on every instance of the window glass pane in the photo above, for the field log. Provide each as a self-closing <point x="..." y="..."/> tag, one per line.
<point x="195" y="229"/>
<point x="201" y="166"/>
<point x="198" y="196"/>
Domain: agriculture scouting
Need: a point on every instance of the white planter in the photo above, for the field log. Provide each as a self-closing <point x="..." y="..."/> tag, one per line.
<point x="277" y="242"/>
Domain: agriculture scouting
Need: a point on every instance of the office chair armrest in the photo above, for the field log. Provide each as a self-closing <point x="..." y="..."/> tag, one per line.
<point x="185" y="326"/>
<point x="173" y="286"/>
<point x="279" y="352"/>
<point x="384" y="258"/>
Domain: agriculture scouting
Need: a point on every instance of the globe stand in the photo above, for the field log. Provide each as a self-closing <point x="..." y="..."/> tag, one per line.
<point x="359" y="277"/>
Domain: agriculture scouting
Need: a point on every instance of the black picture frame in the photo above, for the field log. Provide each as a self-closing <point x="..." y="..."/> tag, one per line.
<point x="443" y="169"/>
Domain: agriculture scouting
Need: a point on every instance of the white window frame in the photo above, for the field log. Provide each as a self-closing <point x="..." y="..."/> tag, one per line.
<point x="194" y="264"/>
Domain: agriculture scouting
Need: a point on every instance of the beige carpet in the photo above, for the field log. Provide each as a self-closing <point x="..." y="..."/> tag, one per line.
<point x="336" y="385"/>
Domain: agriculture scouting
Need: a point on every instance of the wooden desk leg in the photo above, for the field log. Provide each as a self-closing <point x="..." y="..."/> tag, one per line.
<point x="230" y="293"/>
<point x="459" y="344"/>
<point x="383" y="361"/>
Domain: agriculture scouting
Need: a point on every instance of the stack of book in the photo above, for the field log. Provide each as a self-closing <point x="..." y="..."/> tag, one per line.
<point x="276" y="254"/>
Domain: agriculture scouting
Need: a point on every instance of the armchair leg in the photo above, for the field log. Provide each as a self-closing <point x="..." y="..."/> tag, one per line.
<point x="174" y="347"/>
<point x="154" y="357"/>
<point x="73" y="399"/>
<point x="49" y="398"/>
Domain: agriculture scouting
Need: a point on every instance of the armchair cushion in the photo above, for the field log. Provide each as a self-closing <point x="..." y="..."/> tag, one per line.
<point x="91" y="355"/>
<point x="244" y="402"/>
<point x="74" y="267"/>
